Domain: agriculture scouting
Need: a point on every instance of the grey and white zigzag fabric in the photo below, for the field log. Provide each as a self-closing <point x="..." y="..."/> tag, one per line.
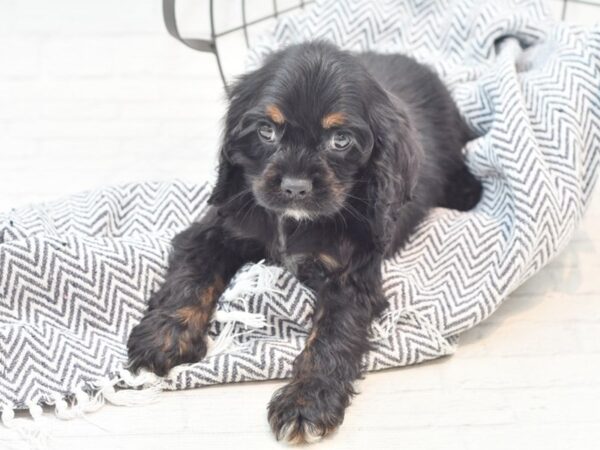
<point x="75" y="274"/>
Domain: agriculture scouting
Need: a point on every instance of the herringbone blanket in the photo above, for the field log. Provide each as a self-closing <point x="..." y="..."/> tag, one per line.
<point x="75" y="274"/>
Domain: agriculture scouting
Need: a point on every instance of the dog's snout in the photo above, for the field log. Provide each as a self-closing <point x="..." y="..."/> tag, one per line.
<point x="296" y="187"/>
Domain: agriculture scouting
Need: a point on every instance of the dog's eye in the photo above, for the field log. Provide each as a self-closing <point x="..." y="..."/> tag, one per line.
<point x="266" y="132"/>
<point x="341" y="141"/>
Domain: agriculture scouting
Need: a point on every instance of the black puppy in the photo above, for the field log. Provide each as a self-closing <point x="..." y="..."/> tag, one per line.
<point x="329" y="161"/>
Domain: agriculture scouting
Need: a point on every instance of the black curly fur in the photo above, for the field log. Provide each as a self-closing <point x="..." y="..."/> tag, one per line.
<point x="404" y="158"/>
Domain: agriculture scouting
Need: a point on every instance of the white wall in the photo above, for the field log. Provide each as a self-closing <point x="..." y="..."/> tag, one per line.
<point x="95" y="92"/>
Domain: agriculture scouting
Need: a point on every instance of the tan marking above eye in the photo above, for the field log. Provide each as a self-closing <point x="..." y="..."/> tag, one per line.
<point x="275" y="114"/>
<point x="334" y="119"/>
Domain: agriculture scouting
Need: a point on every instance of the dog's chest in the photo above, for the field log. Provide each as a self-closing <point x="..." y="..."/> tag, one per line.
<point x="303" y="250"/>
<point x="285" y="235"/>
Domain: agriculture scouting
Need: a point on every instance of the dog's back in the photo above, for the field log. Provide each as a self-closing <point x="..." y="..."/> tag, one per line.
<point x="444" y="179"/>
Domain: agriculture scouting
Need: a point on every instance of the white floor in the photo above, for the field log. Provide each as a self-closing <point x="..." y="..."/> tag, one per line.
<point x="528" y="378"/>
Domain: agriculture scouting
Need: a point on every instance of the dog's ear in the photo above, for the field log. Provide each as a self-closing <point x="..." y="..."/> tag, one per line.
<point x="393" y="167"/>
<point x="229" y="182"/>
<point x="230" y="176"/>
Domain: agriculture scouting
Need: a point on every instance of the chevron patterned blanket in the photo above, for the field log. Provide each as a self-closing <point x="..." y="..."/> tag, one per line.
<point x="75" y="274"/>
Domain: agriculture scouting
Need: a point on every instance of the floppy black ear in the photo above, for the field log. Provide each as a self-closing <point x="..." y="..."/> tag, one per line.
<point x="230" y="176"/>
<point x="392" y="170"/>
<point x="229" y="182"/>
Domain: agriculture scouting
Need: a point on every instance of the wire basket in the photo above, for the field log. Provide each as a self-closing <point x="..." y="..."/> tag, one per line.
<point x="249" y="20"/>
<point x="251" y="16"/>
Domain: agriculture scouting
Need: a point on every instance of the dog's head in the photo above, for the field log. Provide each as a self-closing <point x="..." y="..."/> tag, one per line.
<point x="312" y="129"/>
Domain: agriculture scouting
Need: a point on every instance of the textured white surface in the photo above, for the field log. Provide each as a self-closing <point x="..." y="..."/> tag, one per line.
<point x="145" y="107"/>
<point x="95" y="93"/>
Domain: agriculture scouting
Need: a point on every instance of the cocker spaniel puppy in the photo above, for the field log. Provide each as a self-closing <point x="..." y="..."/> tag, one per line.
<point x="329" y="161"/>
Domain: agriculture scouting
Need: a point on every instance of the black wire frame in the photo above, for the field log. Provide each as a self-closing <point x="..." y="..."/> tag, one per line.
<point x="210" y="45"/>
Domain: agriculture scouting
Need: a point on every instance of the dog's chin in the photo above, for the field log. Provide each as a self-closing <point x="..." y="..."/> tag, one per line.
<point x="299" y="211"/>
<point x="300" y="215"/>
<point x="295" y="212"/>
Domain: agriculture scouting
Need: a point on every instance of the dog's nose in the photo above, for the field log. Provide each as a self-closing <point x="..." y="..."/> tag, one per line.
<point x="296" y="187"/>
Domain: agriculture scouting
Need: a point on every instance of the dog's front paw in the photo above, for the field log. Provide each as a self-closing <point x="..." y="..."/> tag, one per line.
<point x="306" y="412"/>
<point x="163" y="340"/>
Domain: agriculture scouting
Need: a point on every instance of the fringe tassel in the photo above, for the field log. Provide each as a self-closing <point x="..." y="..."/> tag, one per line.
<point x="150" y="387"/>
<point x="256" y="279"/>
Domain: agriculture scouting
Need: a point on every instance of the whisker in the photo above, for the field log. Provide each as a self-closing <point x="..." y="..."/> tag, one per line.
<point x="355" y="213"/>
<point x="238" y="195"/>
<point x="250" y="205"/>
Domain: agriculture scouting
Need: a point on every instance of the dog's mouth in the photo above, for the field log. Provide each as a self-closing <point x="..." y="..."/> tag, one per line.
<point x="306" y="209"/>
<point x="300" y="210"/>
<point x="320" y="201"/>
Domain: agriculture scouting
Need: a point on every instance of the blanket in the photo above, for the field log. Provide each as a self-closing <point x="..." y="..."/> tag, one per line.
<point x="75" y="274"/>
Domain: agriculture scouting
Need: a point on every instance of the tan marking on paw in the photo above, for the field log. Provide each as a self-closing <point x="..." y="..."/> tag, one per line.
<point x="184" y="343"/>
<point x="167" y="340"/>
<point x="212" y="292"/>
<point x="312" y="337"/>
<point x="194" y="317"/>
<point x="197" y="316"/>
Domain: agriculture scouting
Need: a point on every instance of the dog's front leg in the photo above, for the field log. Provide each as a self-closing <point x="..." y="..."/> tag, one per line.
<point x="204" y="258"/>
<point x="313" y="403"/>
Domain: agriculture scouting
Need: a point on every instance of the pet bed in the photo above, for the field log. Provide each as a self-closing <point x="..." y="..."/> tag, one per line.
<point x="75" y="274"/>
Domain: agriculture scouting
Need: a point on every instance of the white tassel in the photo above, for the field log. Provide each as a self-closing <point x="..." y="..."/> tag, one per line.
<point x="87" y="403"/>
<point x="150" y="384"/>
<point x="131" y="397"/>
<point x="8" y="417"/>
<point x="62" y="409"/>
<point x="84" y="403"/>
<point x="257" y="279"/>
<point x="35" y="410"/>
<point x="143" y="378"/>
<point x="249" y="319"/>
<point x="223" y="342"/>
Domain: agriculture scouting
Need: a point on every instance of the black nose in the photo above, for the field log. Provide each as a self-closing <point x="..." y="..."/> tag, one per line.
<point x="296" y="187"/>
